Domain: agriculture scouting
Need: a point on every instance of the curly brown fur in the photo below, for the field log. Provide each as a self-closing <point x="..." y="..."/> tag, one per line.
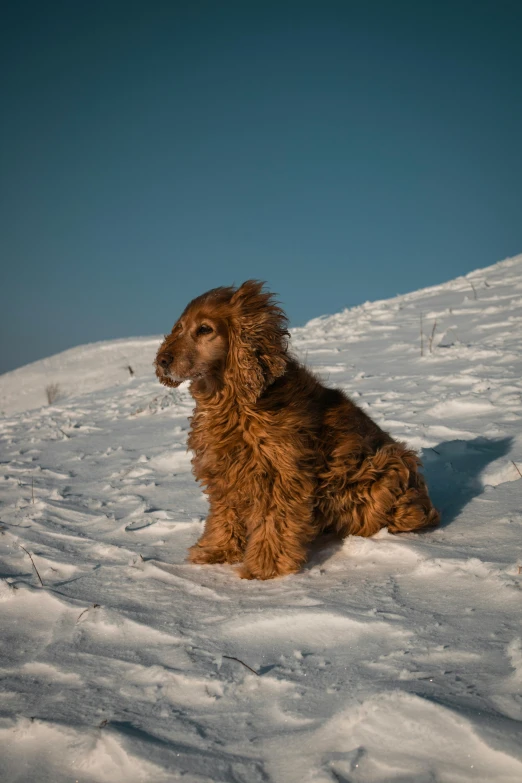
<point x="282" y="458"/>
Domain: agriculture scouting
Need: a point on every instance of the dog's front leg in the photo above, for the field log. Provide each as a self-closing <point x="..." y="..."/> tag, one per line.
<point x="279" y="530"/>
<point x="223" y="540"/>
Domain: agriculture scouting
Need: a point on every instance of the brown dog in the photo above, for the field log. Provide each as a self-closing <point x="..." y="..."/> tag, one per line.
<point x="282" y="457"/>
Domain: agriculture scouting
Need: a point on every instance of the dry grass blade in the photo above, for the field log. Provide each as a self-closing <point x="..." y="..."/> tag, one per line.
<point x="94" y="606"/>
<point x="518" y="469"/>
<point x="32" y="561"/>
<point x="432" y="336"/>
<point x="233" y="658"/>
<point x="52" y="392"/>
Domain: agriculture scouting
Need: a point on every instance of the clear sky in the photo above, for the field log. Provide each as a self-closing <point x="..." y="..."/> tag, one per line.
<point x="341" y="151"/>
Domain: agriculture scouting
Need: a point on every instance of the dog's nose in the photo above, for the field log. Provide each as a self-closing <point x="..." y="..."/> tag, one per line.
<point x="164" y="359"/>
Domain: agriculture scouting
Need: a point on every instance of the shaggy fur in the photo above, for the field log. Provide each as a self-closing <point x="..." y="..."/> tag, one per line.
<point x="282" y="457"/>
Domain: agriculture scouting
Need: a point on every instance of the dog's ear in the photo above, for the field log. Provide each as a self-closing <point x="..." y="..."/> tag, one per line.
<point x="258" y="340"/>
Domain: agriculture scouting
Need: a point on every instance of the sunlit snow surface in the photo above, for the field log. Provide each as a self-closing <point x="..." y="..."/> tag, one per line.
<point x="386" y="659"/>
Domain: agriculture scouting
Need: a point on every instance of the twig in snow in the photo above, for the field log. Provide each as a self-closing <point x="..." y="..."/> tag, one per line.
<point x="53" y="392"/>
<point x="129" y="368"/>
<point x="518" y="469"/>
<point x="94" y="606"/>
<point x="432" y="335"/>
<point x="32" y="561"/>
<point x="421" y="336"/>
<point x="435" y="450"/>
<point x="233" y="658"/>
<point x="474" y="290"/>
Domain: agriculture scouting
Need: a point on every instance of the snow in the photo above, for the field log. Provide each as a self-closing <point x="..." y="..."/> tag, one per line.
<point x="396" y="658"/>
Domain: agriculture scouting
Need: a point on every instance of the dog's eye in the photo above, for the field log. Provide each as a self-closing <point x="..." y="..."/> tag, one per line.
<point x="204" y="329"/>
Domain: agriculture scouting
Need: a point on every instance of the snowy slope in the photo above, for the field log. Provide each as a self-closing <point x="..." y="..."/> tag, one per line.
<point x="386" y="659"/>
<point x="77" y="371"/>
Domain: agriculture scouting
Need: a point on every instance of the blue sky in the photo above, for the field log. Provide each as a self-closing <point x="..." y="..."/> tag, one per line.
<point x="341" y="151"/>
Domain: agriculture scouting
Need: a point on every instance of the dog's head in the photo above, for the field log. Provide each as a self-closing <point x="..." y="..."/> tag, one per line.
<point x="228" y="336"/>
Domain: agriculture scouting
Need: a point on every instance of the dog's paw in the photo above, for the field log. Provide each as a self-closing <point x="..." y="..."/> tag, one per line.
<point x="206" y="555"/>
<point x="203" y="555"/>
<point x="245" y="573"/>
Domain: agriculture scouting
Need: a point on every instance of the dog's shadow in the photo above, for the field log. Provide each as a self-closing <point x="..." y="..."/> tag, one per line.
<point x="453" y="471"/>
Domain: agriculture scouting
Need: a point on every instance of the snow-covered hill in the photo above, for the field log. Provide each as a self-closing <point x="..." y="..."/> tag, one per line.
<point x="386" y="659"/>
<point x="81" y="370"/>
